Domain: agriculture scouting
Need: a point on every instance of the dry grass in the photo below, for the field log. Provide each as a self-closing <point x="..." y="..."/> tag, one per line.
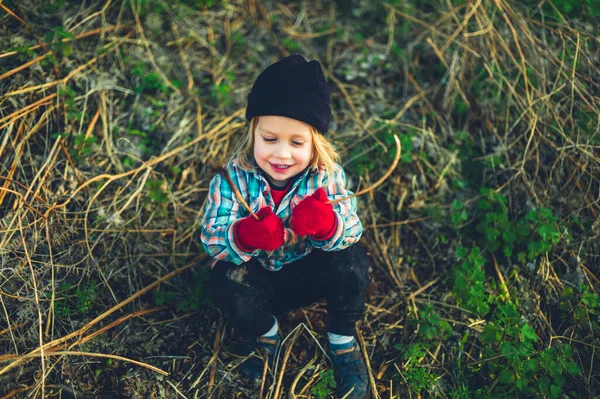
<point x="148" y="100"/>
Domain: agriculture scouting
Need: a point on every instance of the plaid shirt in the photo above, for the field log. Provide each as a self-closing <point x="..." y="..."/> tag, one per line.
<point x="223" y="209"/>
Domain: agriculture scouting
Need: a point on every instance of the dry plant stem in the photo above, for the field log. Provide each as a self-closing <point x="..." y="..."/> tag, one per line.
<point x="24" y="66"/>
<point x="378" y="182"/>
<point x="12" y="14"/>
<point x="16" y="391"/>
<point x="150" y="55"/>
<point x="70" y="75"/>
<point x="92" y="124"/>
<point x="37" y="197"/>
<point x="145" y="165"/>
<point x="237" y="193"/>
<point x="50" y="318"/>
<point x="375" y="395"/>
<point x="65" y="40"/>
<point x="264" y="377"/>
<point x="213" y="366"/>
<point x="309" y="383"/>
<point x="37" y="104"/>
<point x="83" y="329"/>
<point x="413" y="295"/>
<point x="117" y="322"/>
<point x="104" y="355"/>
<point x="433" y="29"/>
<point x="292" y="394"/>
<point x="286" y="356"/>
<point x="27" y="204"/>
<point x="37" y="299"/>
<point x="45" y="169"/>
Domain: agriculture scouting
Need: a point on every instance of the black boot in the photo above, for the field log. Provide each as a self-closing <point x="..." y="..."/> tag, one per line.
<point x="256" y="352"/>
<point x="350" y="373"/>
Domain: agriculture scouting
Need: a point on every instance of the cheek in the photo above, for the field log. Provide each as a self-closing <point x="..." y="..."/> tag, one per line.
<point x="305" y="156"/>
<point x="258" y="151"/>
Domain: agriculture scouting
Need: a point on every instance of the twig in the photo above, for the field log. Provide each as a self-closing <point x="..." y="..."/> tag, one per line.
<point x="286" y="356"/>
<point x="37" y="300"/>
<point x="24" y="66"/>
<point x="213" y="366"/>
<point x="378" y="182"/>
<point x="292" y="394"/>
<point x="117" y="322"/>
<point x="37" y="104"/>
<point x="237" y="193"/>
<point x="423" y="288"/>
<point x="65" y="40"/>
<point x="16" y="391"/>
<point x="367" y="363"/>
<point x="264" y="376"/>
<point x="27" y="204"/>
<point x="104" y="355"/>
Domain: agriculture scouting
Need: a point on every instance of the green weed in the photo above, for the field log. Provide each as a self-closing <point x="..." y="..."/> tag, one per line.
<point x="220" y="92"/>
<point x="431" y="330"/>
<point x="149" y="81"/>
<point x="325" y="386"/>
<point x="526" y="238"/>
<point x="581" y="309"/>
<point x="468" y="277"/>
<point x="519" y="369"/>
<point x="79" y="302"/>
<point x="156" y="191"/>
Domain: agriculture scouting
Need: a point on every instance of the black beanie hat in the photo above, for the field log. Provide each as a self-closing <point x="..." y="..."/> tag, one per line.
<point x="292" y="87"/>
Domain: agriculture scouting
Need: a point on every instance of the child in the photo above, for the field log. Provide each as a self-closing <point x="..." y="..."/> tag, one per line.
<point x="301" y="248"/>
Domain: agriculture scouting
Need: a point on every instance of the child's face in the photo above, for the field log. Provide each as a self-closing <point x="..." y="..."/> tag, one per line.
<point x="282" y="147"/>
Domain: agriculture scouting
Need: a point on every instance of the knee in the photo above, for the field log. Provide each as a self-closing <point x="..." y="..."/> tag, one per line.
<point x="351" y="265"/>
<point x="225" y="280"/>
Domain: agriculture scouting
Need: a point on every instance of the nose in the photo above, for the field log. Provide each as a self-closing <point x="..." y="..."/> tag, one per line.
<point x="282" y="151"/>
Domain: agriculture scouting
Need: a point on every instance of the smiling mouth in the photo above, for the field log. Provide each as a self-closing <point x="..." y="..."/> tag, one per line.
<point x="280" y="166"/>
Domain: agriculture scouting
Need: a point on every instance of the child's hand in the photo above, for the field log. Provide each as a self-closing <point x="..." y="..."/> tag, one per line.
<point x="265" y="233"/>
<point x="313" y="217"/>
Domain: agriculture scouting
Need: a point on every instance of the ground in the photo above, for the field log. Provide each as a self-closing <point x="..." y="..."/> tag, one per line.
<point x="483" y="240"/>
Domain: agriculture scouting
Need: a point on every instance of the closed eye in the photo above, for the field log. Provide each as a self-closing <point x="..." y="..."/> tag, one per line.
<point x="269" y="140"/>
<point x="298" y="143"/>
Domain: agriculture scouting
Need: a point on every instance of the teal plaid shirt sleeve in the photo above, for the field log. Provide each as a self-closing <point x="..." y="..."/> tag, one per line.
<point x="221" y="212"/>
<point x="349" y="228"/>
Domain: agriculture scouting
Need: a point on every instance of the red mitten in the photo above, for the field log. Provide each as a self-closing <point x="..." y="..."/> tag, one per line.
<point x="265" y="233"/>
<point x="313" y="217"/>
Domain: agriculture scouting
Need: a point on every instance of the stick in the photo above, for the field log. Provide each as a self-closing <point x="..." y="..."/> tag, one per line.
<point x="368" y="364"/>
<point x="213" y="366"/>
<point x="37" y="104"/>
<point x="237" y="193"/>
<point x="378" y="182"/>
<point x="264" y="377"/>
<point x="65" y="40"/>
<point x="70" y="353"/>
<point x="286" y="356"/>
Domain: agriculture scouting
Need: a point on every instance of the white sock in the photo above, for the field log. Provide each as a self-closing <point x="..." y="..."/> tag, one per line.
<point x="336" y="339"/>
<point x="273" y="330"/>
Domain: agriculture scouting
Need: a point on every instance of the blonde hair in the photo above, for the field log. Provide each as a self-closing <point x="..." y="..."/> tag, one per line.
<point x="324" y="154"/>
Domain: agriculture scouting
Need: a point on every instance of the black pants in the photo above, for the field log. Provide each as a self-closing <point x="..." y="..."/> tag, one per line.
<point x="249" y="294"/>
